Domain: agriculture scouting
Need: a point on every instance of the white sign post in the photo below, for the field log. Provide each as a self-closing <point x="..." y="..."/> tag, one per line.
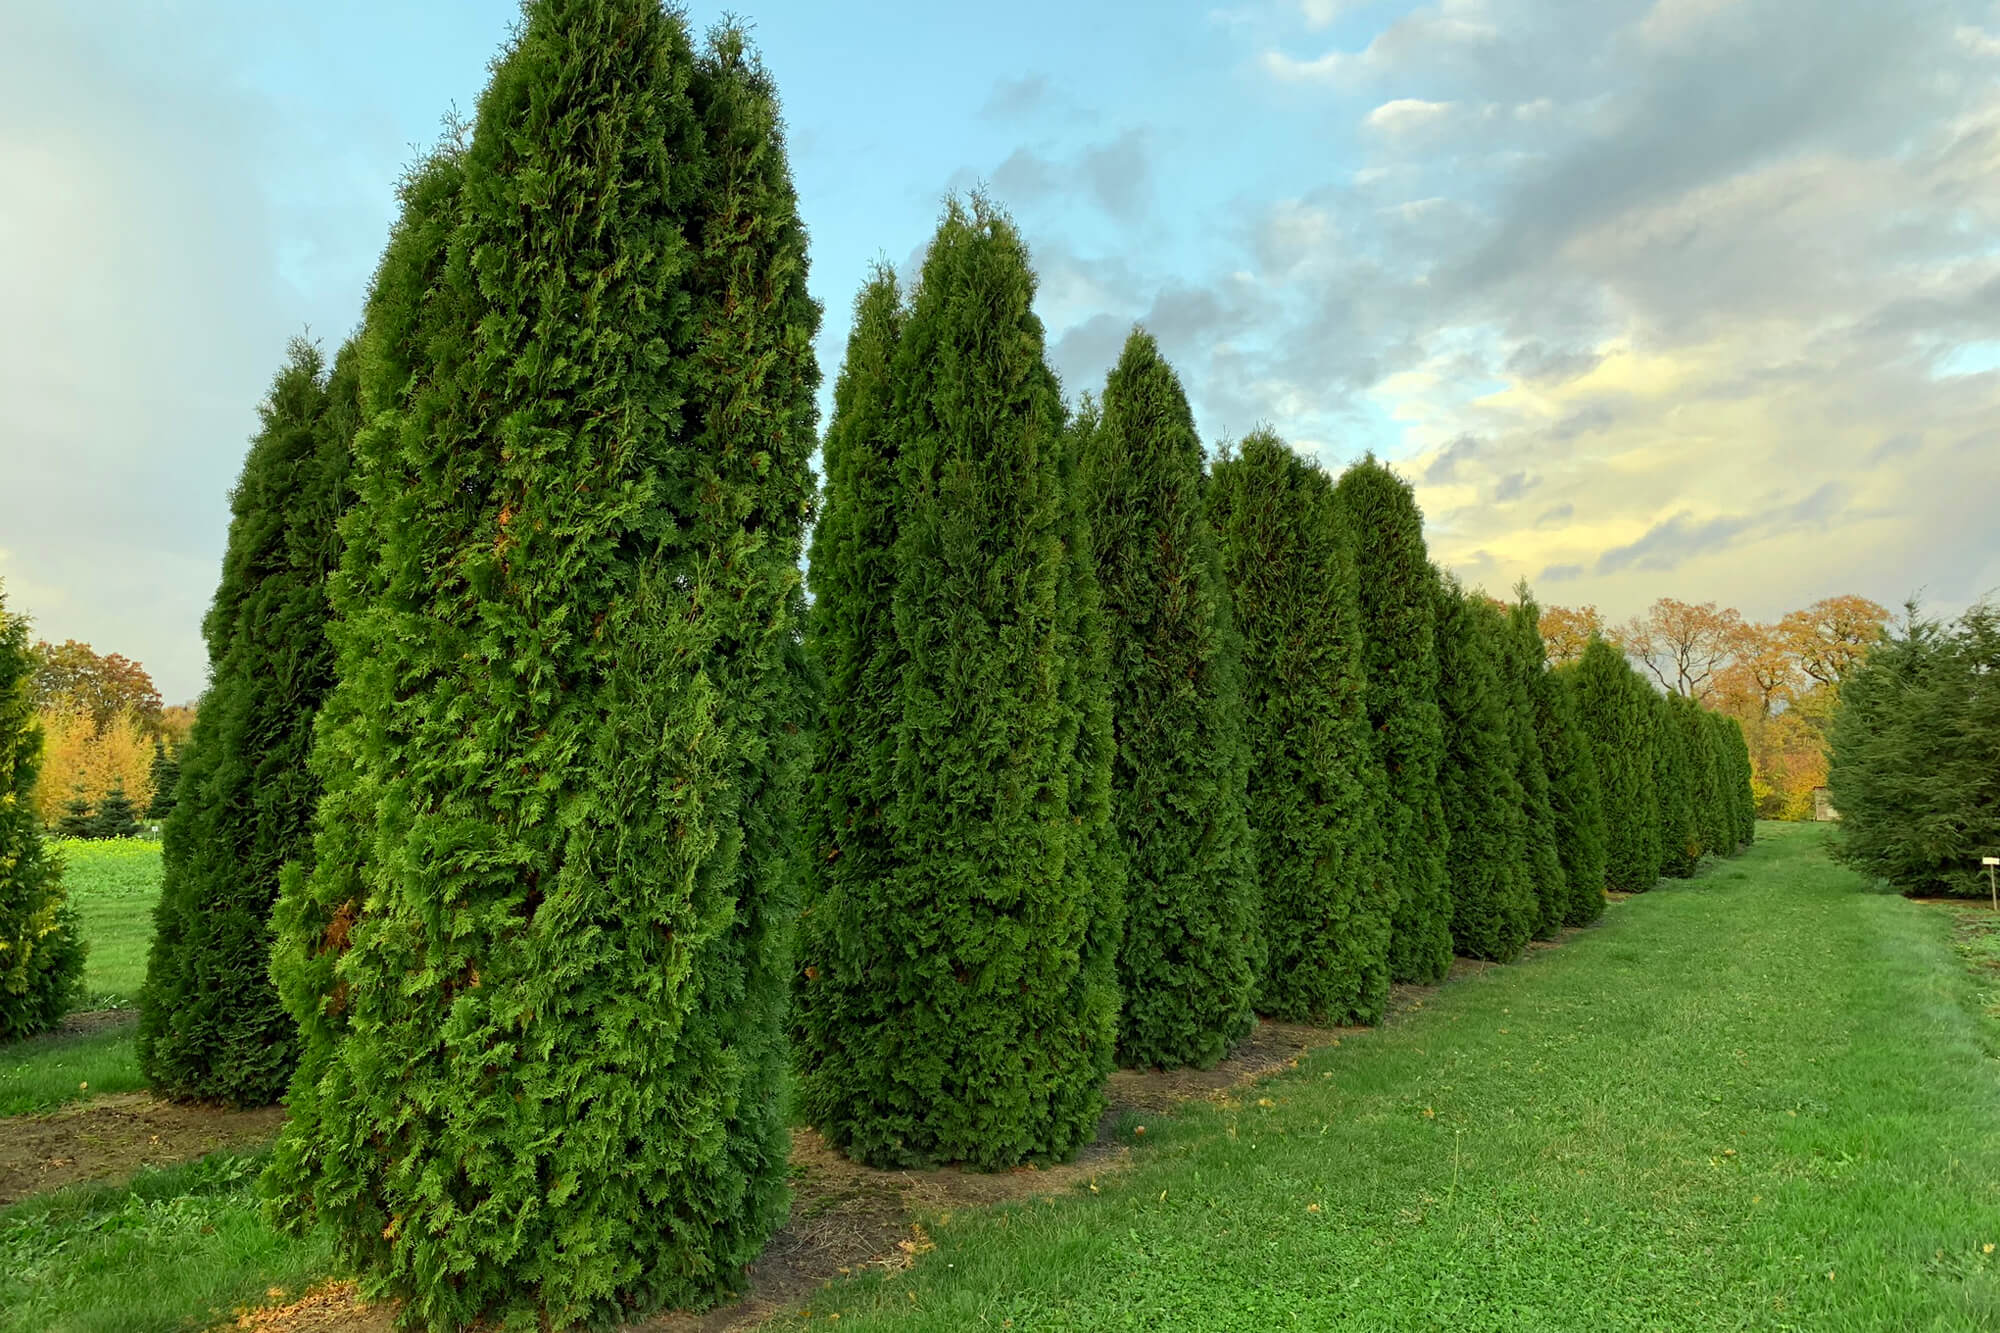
<point x="1990" y="862"/>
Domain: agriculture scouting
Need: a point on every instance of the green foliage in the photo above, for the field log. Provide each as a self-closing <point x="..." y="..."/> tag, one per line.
<point x="1495" y="908"/>
<point x="962" y="1005"/>
<point x="116" y="816"/>
<point x="1399" y="620"/>
<point x="1316" y="788"/>
<point x="1740" y="785"/>
<point x="1524" y="662"/>
<point x="538" y="961"/>
<point x="78" y="820"/>
<point x="1614" y="708"/>
<point x="165" y="777"/>
<point x="41" y="952"/>
<point x="211" y="1026"/>
<point x="1192" y="953"/>
<point x="1674" y="779"/>
<point x="1720" y="815"/>
<point x="1915" y="764"/>
<point x="1576" y="796"/>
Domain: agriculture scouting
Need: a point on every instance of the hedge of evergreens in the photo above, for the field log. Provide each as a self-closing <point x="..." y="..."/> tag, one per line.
<point x="211" y="1027"/>
<point x="1085" y="749"/>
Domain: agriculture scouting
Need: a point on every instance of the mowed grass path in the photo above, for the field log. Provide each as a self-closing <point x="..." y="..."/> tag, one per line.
<point x="1762" y="1099"/>
<point x="113" y="886"/>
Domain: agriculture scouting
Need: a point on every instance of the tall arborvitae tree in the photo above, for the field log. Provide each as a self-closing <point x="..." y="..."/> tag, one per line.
<point x="1399" y="621"/>
<point x="1524" y="661"/>
<point x="1192" y="952"/>
<point x="1613" y="707"/>
<point x="852" y="640"/>
<point x="1576" y="805"/>
<point x="211" y="1027"/>
<point x="1494" y="906"/>
<point x="964" y="1005"/>
<point x="1744" y="798"/>
<point x="1724" y="735"/>
<point x="1704" y="794"/>
<point x="165" y="777"/>
<point x="1316" y="788"/>
<point x="539" y="961"/>
<point x="41" y="949"/>
<point x="1673" y="778"/>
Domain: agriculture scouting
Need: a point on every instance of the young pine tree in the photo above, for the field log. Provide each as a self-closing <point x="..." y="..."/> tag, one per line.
<point x="1673" y="778"/>
<point x="164" y="776"/>
<point x="964" y="1005"/>
<point x="1524" y="661"/>
<point x="1494" y="904"/>
<point x="539" y="960"/>
<point x="41" y="950"/>
<point x="1192" y="954"/>
<point x="1613" y="706"/>
<point x="211" y="1027"/>
<point x="1399" y="622"/>
<point x="1316" y="787"/>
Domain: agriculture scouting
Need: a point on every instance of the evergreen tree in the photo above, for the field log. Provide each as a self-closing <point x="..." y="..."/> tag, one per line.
<point x="210" y="1025"/>
<point x="1315" y="789"/>
<point x="1192" y="953"/>
<point x="968" y="978"/>
<point x="538" y="961"/>
<point x="1721" y="813"/>
<point x="116" y="816"/>
<point x="41" y="948"/>
<point x="1704" y="790"/>
<point x="165" y="777"/>
<point x="1740" y="786"/>
<point x="1576" y="807"/>
<point x="1494" y="904"/>
<point x="1612" y="706"/>
<point x="1673" y="778"/>
<point x="1399" y="620"/>
<point x="1524" y="661"/>
<point x="77" y="818"/>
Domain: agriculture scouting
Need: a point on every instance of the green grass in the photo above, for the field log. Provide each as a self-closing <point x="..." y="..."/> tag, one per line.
<point x="113" y="886"/>
<point x="43" y="1073"/>
<point x="177" y="1248"/>
<point x="1765" y="1098"/>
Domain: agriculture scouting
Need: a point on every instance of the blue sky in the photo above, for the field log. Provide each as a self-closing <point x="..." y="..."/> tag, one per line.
<point x="1685" y="297"/>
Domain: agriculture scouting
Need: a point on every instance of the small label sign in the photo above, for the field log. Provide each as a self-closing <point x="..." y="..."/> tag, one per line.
<point x="1989" y="860"/>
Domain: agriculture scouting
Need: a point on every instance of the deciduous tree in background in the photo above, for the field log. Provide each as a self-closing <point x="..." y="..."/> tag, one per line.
<point x="1683" y="645"/>
<point x="1567" y="631"/>
<point x="41" y="951"/>
<point x="1315" y="787"/>
<point x="1398" y="600"/>
<point x="72" y="676"/>
<point x="1192" y="952"/>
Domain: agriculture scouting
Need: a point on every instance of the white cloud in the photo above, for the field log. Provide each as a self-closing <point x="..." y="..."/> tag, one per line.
<point x="1406" y="115"/>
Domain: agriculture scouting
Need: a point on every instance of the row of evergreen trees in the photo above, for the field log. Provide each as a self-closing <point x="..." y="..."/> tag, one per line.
<point x="1915" y="755"/>
<point x="1083" y="753"/>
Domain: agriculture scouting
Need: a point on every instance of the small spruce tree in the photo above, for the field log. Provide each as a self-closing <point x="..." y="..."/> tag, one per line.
<point x="165" y="777"/>
<point x="1399" y="621"/>
<point x="116" y="816"/>
<point x="539" y="958"/>
<point x="1192" y="954"/>
<point x="964" y="1006"/>
<point x="1494" y="905"/>
<point x="1613" y="708"/>
<point x="77" y="817"/>
<point x="211" y="1027"/>
<point x="1316" y="786"/>
<point x="41" y="948"/>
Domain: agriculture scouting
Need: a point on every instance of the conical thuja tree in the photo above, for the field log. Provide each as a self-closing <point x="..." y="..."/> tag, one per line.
<point x="1494" y="905"/>
<point x="1524" y="662"/>
<point x="211" y="1027"/>
<point x="1613" y="706"/>
<point x="164" y="777"/>
<point x="1576" y="793"/>
<point x="1316" y="788"/>
<point x="1673" y="779"/>
<point x="852" y="642"/>
<point x="538" y="962"/>
<point x="41" y="949"/>
<point x="1698" y="739"/>
<point x="1743" y="797"/>
<point x="1399" y="621"/>
<point x="1192" y="954"/>
<point x="969" y="961"/>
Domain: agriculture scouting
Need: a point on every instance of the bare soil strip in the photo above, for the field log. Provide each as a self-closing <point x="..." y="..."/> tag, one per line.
<point x="107" y="1140"/>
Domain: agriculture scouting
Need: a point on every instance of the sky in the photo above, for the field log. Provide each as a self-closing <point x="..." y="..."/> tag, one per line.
<point x="1694" y="298"/>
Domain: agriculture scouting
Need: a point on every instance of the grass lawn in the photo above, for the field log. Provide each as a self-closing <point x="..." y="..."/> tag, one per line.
<point x="177" y="1248"/>
<point x="113" y="886"/>
<point x="1766" y="1098"/>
